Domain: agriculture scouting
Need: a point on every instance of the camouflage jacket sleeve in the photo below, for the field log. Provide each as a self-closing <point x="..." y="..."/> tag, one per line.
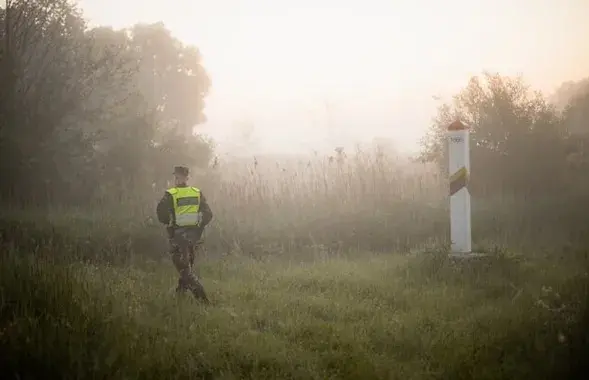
<point x="165" y="209"/>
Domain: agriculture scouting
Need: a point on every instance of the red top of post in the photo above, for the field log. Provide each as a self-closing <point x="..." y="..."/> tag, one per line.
<point x="457" y="126"/>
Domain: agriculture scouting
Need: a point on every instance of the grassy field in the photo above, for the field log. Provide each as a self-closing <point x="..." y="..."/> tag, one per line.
<point x="302" y="287"/>
<point x="363" y="316"/>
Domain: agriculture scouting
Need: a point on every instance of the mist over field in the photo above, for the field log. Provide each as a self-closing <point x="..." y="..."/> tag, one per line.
<point x="319" y="137"/>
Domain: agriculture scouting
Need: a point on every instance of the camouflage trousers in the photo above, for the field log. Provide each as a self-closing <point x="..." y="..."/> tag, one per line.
<point x="184" y="245"/>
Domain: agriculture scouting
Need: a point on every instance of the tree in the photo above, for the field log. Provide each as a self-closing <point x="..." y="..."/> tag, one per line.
<point x="88" y="110"/>
<point x="45" y="78"/>
<point x="568" y="92"/>
<point x="169" y="87"/>
<point x="576" y="120"/>
<point x="576" y="111"/>
<point x="512" y="129"/>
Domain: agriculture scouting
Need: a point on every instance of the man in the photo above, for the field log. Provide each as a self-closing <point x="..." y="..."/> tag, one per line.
<point x="185" y="212"/>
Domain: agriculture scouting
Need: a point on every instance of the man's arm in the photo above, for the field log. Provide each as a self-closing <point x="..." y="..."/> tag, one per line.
<point x="205" y="209"/>
<point x="165" y="208"/>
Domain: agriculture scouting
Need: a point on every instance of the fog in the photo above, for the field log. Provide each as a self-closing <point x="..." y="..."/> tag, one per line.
<point x="312" y="75"/>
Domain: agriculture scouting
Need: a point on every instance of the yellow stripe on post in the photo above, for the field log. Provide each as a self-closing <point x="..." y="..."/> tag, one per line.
<point x="458" y="180"/>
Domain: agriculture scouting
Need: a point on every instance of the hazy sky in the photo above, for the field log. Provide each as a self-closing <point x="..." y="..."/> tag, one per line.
<point x="375" y="63"/>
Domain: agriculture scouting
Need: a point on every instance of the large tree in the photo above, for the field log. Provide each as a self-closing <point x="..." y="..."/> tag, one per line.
<point x="517" y="138"/>
<point x="83" y="110"/>
<point x="166" y="96"/>
<point x="46" y="75"/>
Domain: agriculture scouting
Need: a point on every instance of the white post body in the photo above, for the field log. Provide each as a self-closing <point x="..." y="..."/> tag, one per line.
<point x="459" y="172"/>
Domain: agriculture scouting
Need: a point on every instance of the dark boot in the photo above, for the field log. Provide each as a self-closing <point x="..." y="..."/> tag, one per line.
<point x="195" y="287"/>
<point x="182" y="286"/>
<point x="198" y="291"/>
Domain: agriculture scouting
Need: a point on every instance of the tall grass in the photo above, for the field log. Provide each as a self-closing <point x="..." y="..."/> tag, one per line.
<point x="370" y="200"/>
<point x="352" y="202"/>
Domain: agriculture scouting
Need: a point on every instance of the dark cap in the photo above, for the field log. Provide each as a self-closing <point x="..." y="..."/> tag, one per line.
<point x="182" y="170"/>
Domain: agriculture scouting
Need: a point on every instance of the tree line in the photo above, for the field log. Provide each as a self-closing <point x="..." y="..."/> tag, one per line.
<point x="91" y="111"/>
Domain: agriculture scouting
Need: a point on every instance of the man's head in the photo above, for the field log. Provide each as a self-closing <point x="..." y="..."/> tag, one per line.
<point x="180" y="175"/>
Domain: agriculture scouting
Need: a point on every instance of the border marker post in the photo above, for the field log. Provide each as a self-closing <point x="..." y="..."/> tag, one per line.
<point x="459" y="172"/>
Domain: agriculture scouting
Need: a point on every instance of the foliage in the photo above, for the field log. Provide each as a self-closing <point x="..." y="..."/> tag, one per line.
<point x="567" y="92"/>
<point x="512" y="129"/>
<point x="88" y="112"/>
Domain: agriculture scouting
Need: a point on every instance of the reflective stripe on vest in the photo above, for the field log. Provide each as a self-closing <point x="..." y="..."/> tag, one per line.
<point x="186" y="206"/>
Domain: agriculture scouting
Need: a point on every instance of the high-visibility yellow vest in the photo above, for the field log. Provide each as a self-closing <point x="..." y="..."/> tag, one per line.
<point x="186" y="206"/>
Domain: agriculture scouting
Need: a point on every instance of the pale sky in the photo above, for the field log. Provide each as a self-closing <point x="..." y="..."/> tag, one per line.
<point x="377" y="63"/>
